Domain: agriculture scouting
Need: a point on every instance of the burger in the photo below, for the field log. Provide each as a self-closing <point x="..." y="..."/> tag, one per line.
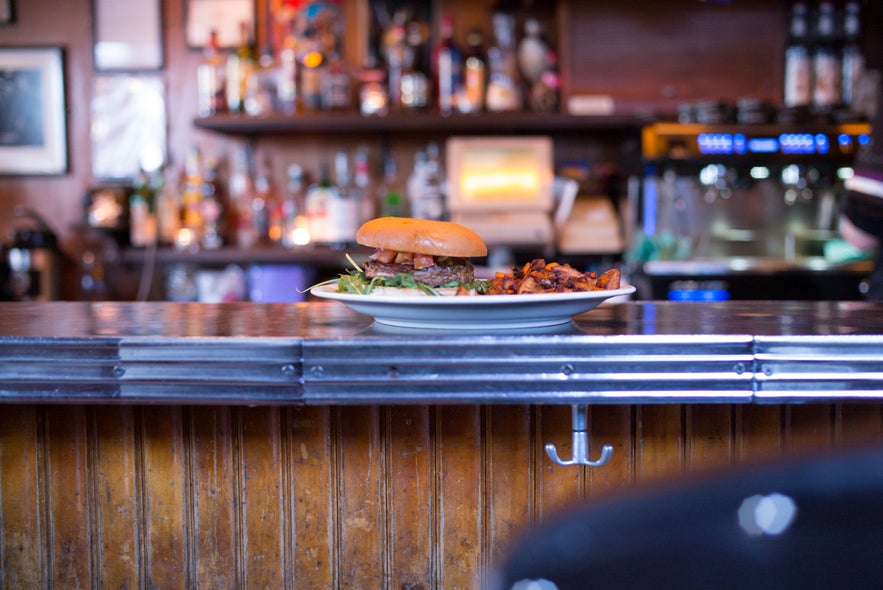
<point x="415" y="257"/>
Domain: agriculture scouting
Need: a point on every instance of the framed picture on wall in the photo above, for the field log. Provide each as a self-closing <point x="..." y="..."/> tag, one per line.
<point x="127" y="35"/>
<point x="33" y="125"/>
<point x="223" y="16"/>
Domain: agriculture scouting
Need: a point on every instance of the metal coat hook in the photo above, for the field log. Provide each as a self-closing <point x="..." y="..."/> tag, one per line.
<point x="580" y="443"/>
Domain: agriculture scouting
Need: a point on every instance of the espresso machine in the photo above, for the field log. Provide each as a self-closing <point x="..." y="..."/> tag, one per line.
<point x="734" y="211"/>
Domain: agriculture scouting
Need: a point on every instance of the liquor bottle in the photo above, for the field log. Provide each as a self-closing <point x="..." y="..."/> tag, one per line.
<point x="241" y="65"/>
<point x="853" y="59"/>
<point x="190" y="235"/>
<point x="425" y="186"/>
<point x="262" y="88"/>
<point x="395" y="51"/>
<point x="362" y="182"/>
<point x="142" y="216"/>
<point x="241" y="191"/>
<point x="503" y="93"/>
<point x="318" y="197"/>
<point x="389" y="196"/>
<point x="262" y="203"/>
<point x="168" y="208"/>
<point x="798" y="64"/>
<point x="312" y="69"/>
<point x="826" y="68"/>
<point x="211" y="79"/>
<point x="448" y="64"/>
<point x="287" y="82"/>
<point x="343" y="205"/>
<point x="415" y="85"/>
<point x="295" y="227"/>
<point x="336" y="85"/>
<point x="212" y="208"/>
<point x="532" y="53"/>
<point x="471" y="100"/>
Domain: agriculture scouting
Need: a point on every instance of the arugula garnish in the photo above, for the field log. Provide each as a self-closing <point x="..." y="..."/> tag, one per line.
<point x="356" y="282"/>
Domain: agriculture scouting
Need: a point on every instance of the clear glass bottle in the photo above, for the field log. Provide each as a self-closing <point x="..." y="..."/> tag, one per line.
<point x="392" y="204"/>
<point x="827" y="83"/>
<point x="503" y="92"/>
<point x="318" y="197"/>
<point x="295" y="227"/>
<point x="798" y="64"/>
<point x="288" y="72"/>
<point x="212" y="236"/>
<point x="211" y="79"/>
<point x="853" y="59"/>
<point x="241" y="65"/>
<point x="448" y="67"/>
<point x="343" y="205"/>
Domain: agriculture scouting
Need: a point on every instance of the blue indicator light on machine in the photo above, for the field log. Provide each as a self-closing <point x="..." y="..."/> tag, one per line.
<point x="864" y="138"/>
<point x="763" y="145"/>
<point x="822" y="145"/>
<point x="739" y="143"/>
<point x="797" y="143"/>
<point x="844" y="139"/>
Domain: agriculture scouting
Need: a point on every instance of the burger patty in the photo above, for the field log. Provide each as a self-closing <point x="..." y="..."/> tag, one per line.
<point x="434" y="276"/>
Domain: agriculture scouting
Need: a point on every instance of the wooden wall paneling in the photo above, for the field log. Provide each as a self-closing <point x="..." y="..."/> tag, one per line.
<point x="460" y="497"/>
<point x="857" y="424"/>
<point x="759" y="432"/>
<point x="709" y="436"/>
<point x="67" y="497"/>
<point x="612" y="425"/>
<point x="313" y="497"/>
<point x="165" y="519"/>
<point x="116" y="484"/>
<point x="23" y="559"/>
<point x="510" y="464"/>
<point x="659" y="436"/>
<point x="808" y="428"/>
<point x="361" y="524"/>
<point x="557" y="486"/>
<point x="213" y="518"/>
<point x="261" y="505"/>
<point x="411" y="481"/>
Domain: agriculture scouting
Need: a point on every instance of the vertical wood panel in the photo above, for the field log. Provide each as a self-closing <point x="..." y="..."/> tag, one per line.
<point x="164" y="497"/>
<point x="809" y="428"/>
<point x="460" y="496"/>
<point x="22" y="536"/>
<point x="858" y="424"/>
<point x="557" y="486"/>
<point x="69" y="527"/>
<point x="362" y="552"/>
<point x="759" y="432"/>
<point x="612" y="425"/>
<point x="510" y="477"/>
<point x="410" y="497"/>
<point x="709" y="436"/>
<point x="214" y="519"/>
<point x="314" y="509"/>
<point x="116" y="497"/>
<point x="660" y="444"/>
<point x="261" y="505"/>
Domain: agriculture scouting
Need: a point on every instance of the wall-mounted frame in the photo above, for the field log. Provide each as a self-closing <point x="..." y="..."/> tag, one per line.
<point x="127" y="35"/>
<point x="7" y="12"/>
<point x="33" y="124"/>
<point x="224" y="16"/>
<point x="128" y="130"/>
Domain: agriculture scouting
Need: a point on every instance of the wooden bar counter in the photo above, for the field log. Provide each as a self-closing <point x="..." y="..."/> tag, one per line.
<point x="161" y="445"/>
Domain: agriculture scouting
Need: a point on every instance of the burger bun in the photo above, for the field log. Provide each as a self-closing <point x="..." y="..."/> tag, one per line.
<point x="421" y="236"/>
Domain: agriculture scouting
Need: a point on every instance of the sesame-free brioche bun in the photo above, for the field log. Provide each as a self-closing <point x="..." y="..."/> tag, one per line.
<point x="421" y="236"/>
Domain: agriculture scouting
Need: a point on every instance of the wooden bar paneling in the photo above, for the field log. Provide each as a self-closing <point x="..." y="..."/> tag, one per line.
<point x="411" y="483"/>
<point x="212" y="516"/>
<point x="349" y="497"/>
<point x="165" y="525"/>
<point x="23" y="539"/>
<point x="117" y="519"/>
<point x="67" y="497"/>
<point x="314" y="500"/>
<point x="361" y="475"/>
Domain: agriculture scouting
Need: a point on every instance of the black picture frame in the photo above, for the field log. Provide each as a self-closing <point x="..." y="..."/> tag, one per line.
<point x="33" y="118"/>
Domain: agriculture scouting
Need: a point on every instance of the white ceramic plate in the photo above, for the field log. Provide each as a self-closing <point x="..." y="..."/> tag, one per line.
<point x="476" y="312"/>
